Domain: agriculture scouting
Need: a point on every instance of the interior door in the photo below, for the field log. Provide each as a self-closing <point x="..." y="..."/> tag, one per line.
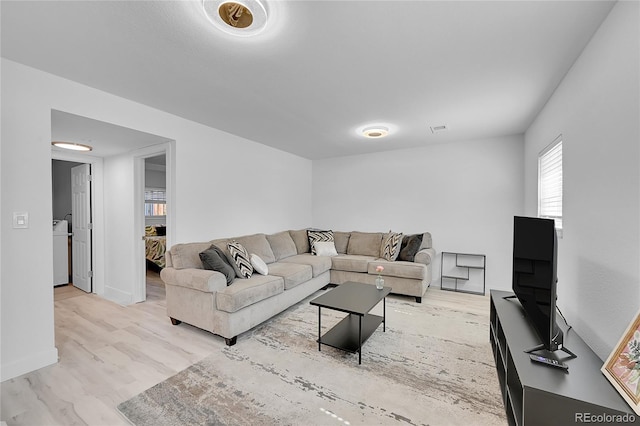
<point x="81" y="226"/>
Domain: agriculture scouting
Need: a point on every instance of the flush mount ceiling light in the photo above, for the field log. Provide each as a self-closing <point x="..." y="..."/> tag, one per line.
<point x="72" y="146"/>
<point x="375" y="131"/>
<point x="240" y="18"/>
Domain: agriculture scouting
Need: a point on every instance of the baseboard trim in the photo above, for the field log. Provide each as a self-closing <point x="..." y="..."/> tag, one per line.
<point x="28" y="364"/>
<point x="117" y="296"/>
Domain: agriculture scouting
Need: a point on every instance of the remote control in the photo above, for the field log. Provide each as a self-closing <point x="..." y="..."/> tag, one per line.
<point x="550" y="362"/>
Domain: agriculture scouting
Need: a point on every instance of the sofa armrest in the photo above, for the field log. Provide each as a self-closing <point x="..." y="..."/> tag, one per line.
<point x="197" y="279"/>
<point x="425" y="256"/>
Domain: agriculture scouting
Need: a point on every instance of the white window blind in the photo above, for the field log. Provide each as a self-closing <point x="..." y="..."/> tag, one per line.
<point x="155" y="202"/>
<point x="550" y="182"/>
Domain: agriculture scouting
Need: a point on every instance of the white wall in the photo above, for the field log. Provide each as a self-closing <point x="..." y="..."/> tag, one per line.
<point x="218" y="178"/>
<point x="237" y="187"/>
<point x="121" y="252"/>
<point x="464" y="193"/>
<point x="155" y="178"/>
<point x="596" y="110"/>
<point x="26" y="327"/>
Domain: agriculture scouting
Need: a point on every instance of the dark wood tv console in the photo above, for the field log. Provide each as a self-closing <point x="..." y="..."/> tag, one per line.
<point x="535" y="394"/>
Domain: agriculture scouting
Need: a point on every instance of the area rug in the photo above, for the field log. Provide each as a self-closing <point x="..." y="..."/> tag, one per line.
<point x="432" y="366"/>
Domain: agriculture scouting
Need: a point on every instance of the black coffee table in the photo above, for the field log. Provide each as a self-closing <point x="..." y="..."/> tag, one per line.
<point x="357" y="299"/>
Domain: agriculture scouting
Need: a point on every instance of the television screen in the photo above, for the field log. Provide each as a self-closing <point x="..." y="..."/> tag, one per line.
<point x="534" y="276"/>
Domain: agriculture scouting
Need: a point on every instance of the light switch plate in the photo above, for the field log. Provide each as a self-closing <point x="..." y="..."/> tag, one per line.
<point x="20" y="220"/>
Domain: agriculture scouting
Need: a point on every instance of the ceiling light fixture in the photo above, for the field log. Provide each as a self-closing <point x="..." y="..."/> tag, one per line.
<point x="375" y="131"/>
<point x="237" y="17"/>
<point x="72" y="146"/>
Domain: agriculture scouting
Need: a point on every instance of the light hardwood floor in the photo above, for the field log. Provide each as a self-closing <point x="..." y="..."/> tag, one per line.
<point x="109" y="353"/>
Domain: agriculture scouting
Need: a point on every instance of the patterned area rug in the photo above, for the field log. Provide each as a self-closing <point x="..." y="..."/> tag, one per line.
<point x="432" y="366"/>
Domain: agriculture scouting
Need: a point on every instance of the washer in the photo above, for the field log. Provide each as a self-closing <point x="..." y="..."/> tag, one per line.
<point x="60" y="252"/>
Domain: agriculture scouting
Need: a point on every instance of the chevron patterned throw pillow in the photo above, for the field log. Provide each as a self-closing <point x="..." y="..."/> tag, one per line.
<point x="318" y="236"/>
<point x="391" y="245"/>
<point x="241" y="258"/>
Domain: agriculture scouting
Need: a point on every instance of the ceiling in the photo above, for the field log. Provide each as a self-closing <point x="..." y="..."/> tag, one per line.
<point x="320" y="69"/>
<point x="106" y="139"/>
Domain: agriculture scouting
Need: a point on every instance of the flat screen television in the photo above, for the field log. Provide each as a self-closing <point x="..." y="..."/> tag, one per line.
<point x="535" y="258"/>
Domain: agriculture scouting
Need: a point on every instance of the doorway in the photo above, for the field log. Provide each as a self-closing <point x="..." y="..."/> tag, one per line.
<point x="155" y="221"/>
<point x="72" y="224"/>
<point x="117" y="162"/>
<point x="153" y="189"/>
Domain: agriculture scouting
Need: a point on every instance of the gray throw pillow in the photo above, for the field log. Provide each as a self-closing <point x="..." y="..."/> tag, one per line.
<point x="410" y="246"/>
<point x="214" y="259"/>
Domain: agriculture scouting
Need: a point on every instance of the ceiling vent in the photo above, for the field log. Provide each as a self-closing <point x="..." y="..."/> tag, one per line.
<point x="439" y="129"/>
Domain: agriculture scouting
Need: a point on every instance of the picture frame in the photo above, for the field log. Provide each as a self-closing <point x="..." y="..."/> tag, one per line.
<point x="622" y="367"/>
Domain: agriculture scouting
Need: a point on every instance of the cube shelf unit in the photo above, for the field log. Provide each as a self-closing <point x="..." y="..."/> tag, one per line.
<point x="467" y="262"/>
<point x="534" y="394"/>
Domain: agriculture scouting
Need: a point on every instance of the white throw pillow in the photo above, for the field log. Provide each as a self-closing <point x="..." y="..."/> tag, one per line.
<point x="325" y="248"/>
<point x="258" y="265"/>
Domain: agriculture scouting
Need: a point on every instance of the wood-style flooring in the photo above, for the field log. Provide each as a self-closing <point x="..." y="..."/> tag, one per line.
<point x="109" y="353"/>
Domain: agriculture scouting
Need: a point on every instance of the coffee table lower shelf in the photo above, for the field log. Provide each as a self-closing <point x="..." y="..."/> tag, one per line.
<point x="345" y="334"/>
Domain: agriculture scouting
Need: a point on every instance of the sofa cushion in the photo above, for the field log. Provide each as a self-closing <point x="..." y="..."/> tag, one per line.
<point x="258" y="244"/>
<point x="365" y="243"/>
<point x="319" y="264"/>
<point x="282" y="245"/>
<point x="292" y="273"/>
<point x="214" y="259"/>
<point x="239" y="259"/>
<point x="184" y="256"/>
<point x="318" y="236"/>
<point x="243" y="293"/>
<point x="412" y="270"/>
<point x="341" y="240"/>
<point x="351" y="262"/>
<point x="410" y="246"/>
<point x="221" y="243"/>
<point x="301" y="240"/>
<point x="391" y="243"/>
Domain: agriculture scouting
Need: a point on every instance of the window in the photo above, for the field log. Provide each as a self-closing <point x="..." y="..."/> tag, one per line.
<point x="155" y="202"/>
<point x="550" y="183"/>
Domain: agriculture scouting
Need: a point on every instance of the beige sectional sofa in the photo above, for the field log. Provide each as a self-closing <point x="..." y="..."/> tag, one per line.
<point x="202" y="298"/>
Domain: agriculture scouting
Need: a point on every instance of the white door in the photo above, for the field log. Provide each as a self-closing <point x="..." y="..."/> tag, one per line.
<point x="81" y="226"/>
